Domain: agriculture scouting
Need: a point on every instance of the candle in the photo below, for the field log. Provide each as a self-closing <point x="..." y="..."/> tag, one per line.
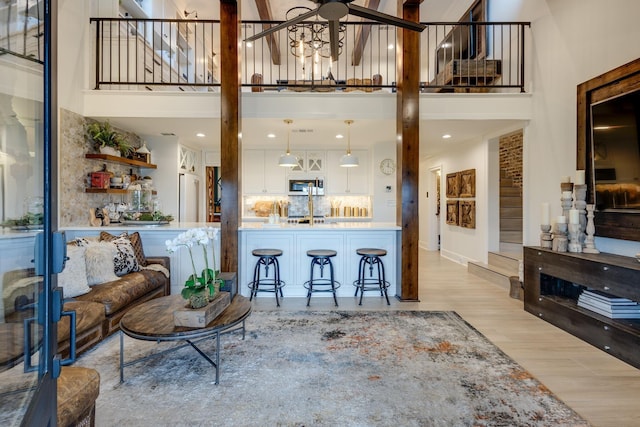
<point x="567" y="194"/>
<point x="565" y="179"/>
<point x="574" y="216"/>
<point x="579" y="177"/>
<point x="561" y="219"/>
<point x="545" y="214"/>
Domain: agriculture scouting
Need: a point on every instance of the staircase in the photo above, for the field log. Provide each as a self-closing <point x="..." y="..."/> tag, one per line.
<point x="501" y="266"/>
<point x="504" y="263"/>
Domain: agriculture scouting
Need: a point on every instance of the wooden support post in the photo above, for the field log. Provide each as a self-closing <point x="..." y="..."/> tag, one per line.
<point x="231" y="127"/>
<point x="408" y="142"/>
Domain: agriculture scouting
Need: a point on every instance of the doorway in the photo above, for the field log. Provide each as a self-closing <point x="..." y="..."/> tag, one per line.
<point x="214" y="193"/>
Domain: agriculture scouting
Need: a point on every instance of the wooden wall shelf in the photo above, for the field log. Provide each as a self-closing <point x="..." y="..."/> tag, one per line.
<point x="110" y="191"/>
<point x="123" y="160"/>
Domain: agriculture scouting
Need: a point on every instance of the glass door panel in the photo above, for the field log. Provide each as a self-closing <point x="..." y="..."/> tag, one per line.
<point x="25" y="350"/>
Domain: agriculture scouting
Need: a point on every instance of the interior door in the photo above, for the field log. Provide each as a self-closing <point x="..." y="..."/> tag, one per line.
<point x="27" y="331"/>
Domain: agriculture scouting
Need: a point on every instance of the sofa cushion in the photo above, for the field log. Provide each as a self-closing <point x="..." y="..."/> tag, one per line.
<point x="136" y="243"/>
<point x="88" y="315"/>
<point x="78" y="388"/>
<point x="73" y="278"/>
<point x="99" y="259"/>
<point x="118" y="294"/>
<point x="125" y="261"/>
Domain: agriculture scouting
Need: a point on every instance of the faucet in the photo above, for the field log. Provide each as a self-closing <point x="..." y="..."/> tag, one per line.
<point x="310" y="204"/>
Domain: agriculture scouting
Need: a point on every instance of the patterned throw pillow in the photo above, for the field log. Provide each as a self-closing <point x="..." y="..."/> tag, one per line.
<point x="125" y="261"/>
<point x="136" y="242"/>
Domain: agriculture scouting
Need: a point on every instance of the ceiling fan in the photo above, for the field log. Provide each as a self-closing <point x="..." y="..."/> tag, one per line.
<point x="333" y="11"/>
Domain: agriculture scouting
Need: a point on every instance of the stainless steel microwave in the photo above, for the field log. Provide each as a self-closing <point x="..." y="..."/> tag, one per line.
<point x="300" y="186"/>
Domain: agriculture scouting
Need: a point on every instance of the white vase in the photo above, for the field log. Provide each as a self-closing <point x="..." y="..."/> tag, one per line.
<point x="110" y="151"/>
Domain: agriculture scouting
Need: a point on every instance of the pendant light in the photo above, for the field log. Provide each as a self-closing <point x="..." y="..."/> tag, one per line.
<point x="288" y="160"/>
<point x="349" y="160"/>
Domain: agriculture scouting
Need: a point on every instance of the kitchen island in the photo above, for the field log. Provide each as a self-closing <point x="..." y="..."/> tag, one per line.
<point x="296" y="239"/>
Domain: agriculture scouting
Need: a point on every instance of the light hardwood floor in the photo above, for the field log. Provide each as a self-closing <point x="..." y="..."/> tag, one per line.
<point x="599" y="387"/>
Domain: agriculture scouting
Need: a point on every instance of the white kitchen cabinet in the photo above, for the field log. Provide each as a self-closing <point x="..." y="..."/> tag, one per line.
<point x="261" y="173"/>
<point x="310" y="161"/>
<point x="352" y="181"/>
<point x="188" y="160"/>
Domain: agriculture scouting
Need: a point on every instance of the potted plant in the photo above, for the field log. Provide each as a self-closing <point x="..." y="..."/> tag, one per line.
<point x="107" y="140"/>
<point x="198" y="289"/>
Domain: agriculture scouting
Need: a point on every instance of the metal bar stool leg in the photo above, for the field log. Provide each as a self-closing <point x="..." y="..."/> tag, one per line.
<point x="333" y="283"/>
<point x="383" y="280"/>
<point x="313" y="260"/>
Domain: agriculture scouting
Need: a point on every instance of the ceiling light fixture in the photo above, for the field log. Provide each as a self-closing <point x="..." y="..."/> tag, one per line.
<point x="446" y="136"/>
<point x="288" y="160"/>
<point x="200" y="135"/>
<point x="187" y="13"/>
<point x="348" y="160"/>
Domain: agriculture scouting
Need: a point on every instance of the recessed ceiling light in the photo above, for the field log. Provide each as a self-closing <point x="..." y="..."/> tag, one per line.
<point x="200" y="135"/>
<point x="271" y="135"/>
<point x="339" y="136"/>
<point x="446" y="136"/>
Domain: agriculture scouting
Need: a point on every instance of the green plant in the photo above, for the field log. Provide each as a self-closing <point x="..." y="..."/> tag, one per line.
<point x="103" y="135"/>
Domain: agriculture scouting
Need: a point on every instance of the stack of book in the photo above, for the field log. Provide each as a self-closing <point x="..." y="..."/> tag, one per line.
<point x="609" y="305"/>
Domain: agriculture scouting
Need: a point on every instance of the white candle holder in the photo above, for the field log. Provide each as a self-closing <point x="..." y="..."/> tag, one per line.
<point x="566" y="201"/>
<point x="580" y="194"/>
<point x="559" y="238"/>
<point x="589" y="242"/>
<point x="546" y="239"/>
<point x="574" y="238"/>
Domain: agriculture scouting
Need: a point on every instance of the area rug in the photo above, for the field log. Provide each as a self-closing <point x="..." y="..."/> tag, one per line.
<point x="395" y="368"/>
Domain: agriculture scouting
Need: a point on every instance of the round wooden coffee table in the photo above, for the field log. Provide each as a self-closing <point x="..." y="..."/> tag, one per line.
<point x="153" y="321"/>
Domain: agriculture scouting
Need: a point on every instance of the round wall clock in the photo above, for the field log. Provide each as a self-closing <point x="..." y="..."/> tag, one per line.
<point x="387" y="166"/>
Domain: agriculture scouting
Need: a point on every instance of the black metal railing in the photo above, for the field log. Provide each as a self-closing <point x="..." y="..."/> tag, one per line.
<point x="21" y="30"/>
<point x="171" y="53"/>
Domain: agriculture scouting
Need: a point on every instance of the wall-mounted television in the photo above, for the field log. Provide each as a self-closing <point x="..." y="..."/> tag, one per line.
<point x="615" y="125"/>
<point x="611" y="156"/>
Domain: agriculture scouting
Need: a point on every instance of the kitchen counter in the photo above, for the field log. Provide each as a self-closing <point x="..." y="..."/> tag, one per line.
<point x="296" y="239"/>
<point x="370" y="226"/>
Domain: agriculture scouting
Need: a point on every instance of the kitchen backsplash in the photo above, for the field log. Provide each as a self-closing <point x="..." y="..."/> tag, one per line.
<point x="322" y="205"/>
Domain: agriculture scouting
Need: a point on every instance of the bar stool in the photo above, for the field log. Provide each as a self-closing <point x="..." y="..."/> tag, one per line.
<point x="370" y="257"/>
<point x="321" y="258"/>
<point x="266" y="258"/>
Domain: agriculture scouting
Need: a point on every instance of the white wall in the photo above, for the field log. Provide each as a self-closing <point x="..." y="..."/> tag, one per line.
<point x="164" y="154"/>
<point x="457" y="243"/>
<point x="572" y="41"/>
<point x="384" y="202"/>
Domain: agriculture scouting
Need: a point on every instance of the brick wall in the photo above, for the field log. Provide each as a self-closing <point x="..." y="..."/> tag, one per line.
<point x="511" y="157"/>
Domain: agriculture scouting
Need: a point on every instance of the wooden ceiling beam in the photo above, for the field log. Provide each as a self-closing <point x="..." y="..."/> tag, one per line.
<point x="272" y="40"/>
<point x="362" y="36"/>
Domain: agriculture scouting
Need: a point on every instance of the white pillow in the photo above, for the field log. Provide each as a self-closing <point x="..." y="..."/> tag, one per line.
<point x="73" y="278"/>
<point x="99" y="262"/>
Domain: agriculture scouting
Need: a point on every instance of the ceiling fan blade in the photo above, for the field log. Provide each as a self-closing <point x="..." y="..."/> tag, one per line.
<point x="334" y="37"/>
<point x="285" y="24"/>
<point x="374" y="15"/>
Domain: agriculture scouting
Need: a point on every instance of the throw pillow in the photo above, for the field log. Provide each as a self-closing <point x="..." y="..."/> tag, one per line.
<point x="125" y="258"/>
<point x="136" y="242"/>
<point x="73" y="278"/>
<point x="99" y="258"/>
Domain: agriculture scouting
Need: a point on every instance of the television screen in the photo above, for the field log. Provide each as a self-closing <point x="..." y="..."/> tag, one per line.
<point x="616" y="153"/>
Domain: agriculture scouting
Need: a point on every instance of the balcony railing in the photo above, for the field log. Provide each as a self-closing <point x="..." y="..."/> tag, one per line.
<point x="171" y="54"/>
<point x="21" y="30"/>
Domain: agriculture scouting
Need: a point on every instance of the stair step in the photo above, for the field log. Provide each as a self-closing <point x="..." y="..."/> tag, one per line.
<point x="495" y="275"/>
<point x="510" y="192"/>
<point x="510" y="202"/>
<point x="511" y="212"/>
<point x="510" y="247"/>
<point x="509" y="261"/>
<point x="511" y="224"/>
<point x="511" y="236"/>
